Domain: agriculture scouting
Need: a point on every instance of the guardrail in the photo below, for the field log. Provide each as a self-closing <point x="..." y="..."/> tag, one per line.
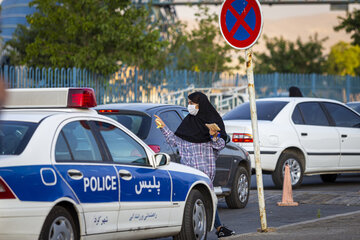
<point x="226" y="91"/>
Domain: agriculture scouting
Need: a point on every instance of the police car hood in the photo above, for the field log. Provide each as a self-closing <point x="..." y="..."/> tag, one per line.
<point x="186" y="169"/>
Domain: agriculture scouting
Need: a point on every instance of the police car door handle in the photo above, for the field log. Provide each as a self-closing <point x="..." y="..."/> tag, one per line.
<point x="75" y="174"/>
<point x="124" y="174"/>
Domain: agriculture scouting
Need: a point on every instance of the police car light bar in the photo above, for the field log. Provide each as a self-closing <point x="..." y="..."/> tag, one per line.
<point x="81" y="98"/>
<point x="50" y="98"/>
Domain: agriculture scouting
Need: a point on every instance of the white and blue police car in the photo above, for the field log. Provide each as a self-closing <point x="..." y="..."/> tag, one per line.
<point x="68" y="173"/>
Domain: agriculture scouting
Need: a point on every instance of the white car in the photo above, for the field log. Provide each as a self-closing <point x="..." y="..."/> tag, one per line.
<point x="312" y="135"/>
<point x="68" y="173"/>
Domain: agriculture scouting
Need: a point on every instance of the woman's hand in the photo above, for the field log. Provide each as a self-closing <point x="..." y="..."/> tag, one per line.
<point x="159" y="122"/>
<point x="213" y="129"/>
<point x="213" y="133"/>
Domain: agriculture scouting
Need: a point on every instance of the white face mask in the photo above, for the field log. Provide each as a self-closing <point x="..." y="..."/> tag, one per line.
<point x="192" y="110"/>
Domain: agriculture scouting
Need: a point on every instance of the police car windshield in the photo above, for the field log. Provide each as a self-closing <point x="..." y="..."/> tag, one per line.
<point x="14" y="136"/>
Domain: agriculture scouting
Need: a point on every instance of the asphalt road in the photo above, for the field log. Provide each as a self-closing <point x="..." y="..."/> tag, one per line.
<point x="316" y="200"/>
<point x="345" y="182"/>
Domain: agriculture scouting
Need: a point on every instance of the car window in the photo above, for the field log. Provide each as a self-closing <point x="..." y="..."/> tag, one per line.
<point x="14" y="136"/>
<point x="184" y="113"/>
<point x="76" y="142"/>
<point x="342" y="116"/>
<point x="296" y="116"/>
<point x="266" y="110"/>
<point x="62" y="151"/>
<point x="171" y="119"/>
<point x="313" y="114"/>
<point x="123" y="148"/>
<point x="138" y="124"/>
<point x="355" y="106"/>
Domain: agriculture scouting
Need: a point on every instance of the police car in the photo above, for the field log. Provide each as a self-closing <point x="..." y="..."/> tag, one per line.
<point x="68" y="173"/>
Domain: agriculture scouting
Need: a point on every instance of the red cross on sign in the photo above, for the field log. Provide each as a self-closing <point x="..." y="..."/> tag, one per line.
<point x="241" y="22"/>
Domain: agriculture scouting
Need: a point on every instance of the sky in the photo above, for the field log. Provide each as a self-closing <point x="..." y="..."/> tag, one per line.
<point x="270" y="12"/>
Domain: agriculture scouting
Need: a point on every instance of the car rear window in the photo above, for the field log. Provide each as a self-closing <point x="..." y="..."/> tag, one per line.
<point x="266" y="110"/>
<point x="14" y="136"/>
<point x="138" y="124"/>
<point x="355" y="106"/>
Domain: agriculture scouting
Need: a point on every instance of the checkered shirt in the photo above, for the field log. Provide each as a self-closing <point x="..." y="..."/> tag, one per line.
<point x="201" y="156"/>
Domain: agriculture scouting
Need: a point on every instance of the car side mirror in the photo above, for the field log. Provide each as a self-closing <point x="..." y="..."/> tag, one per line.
<point x="162" y="159"/>
<point x="228" y="138"/>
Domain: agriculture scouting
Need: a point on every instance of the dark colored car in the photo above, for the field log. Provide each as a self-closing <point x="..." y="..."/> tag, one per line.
<point x="233" y="167"/>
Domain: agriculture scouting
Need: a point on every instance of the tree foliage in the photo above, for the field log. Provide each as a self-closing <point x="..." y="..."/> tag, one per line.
<point x="201" y="48"/>
<point x="207" y="50"/>
<point x="92" y="34"/>
<point x="291" y="57"/>
<point x="344" y="59"/>
<point x="351" y="24"/>
<point x="175" y="50"/>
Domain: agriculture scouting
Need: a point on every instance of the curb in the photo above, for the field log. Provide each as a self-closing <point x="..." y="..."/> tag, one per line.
<point x="297" y="224"/>
<point x="319" y="219"/>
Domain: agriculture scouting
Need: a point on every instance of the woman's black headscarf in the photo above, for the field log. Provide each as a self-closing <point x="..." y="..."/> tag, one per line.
<point x="192" y="128"/>
<point x="294" y="92"/>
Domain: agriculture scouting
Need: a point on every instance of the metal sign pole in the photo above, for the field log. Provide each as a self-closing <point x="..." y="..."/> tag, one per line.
<point x="254" y="124"/>
<point x="231" y="18"/>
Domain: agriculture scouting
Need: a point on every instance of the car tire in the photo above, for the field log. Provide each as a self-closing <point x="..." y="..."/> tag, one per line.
<point x="240" y="188"/>
<point x="59" y="223"/>
<point x="328" y="178"/>
<point x="194" y="225"/>
<point x="296" y="170"/>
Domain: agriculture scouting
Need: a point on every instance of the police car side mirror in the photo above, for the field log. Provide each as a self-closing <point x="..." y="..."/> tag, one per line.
<point x="162" y="159"/>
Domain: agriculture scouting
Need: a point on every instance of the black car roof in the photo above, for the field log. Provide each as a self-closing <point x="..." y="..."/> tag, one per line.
<point x="142" y="107"/>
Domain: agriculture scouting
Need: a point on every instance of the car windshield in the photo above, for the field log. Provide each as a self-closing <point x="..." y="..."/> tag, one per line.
<point x="14" y="136"/>
<point x="266" y="110"/>
<point x="138" y="124"/>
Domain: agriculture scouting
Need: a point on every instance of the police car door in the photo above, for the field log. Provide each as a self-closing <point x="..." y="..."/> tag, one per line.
<point x="81" y="163"/>
<point x="144" y="190"/>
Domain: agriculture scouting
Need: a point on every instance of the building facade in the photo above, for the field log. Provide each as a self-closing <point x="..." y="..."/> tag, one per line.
<point x="13" y="13"/>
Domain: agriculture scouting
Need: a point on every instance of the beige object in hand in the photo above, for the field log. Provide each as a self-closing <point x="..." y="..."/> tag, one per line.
<point x="212" y="126"/>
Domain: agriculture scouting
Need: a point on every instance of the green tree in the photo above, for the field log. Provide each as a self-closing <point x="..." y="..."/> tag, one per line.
<point x="92" y="34"/>
<point x="351" y="24"/>
<point x="291" y="57"/>
<point x="207" y="50"/>
<point x="344" y="59"/>
<point x="201" y="48"/>
<point x="176" y="50"/>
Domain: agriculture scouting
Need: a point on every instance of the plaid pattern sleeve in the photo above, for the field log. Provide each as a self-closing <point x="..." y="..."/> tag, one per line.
<point x="201" y="156"/>
<point x="218" y="144"/>
<point x="169" y="136"/>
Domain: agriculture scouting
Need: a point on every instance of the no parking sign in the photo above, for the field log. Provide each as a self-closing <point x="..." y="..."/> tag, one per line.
<point x="241" y="22"/>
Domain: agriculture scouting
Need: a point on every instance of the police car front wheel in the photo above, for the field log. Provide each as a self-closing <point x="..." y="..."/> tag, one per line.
<point x="194" y="225"/>
<point x="59" y="224"/>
